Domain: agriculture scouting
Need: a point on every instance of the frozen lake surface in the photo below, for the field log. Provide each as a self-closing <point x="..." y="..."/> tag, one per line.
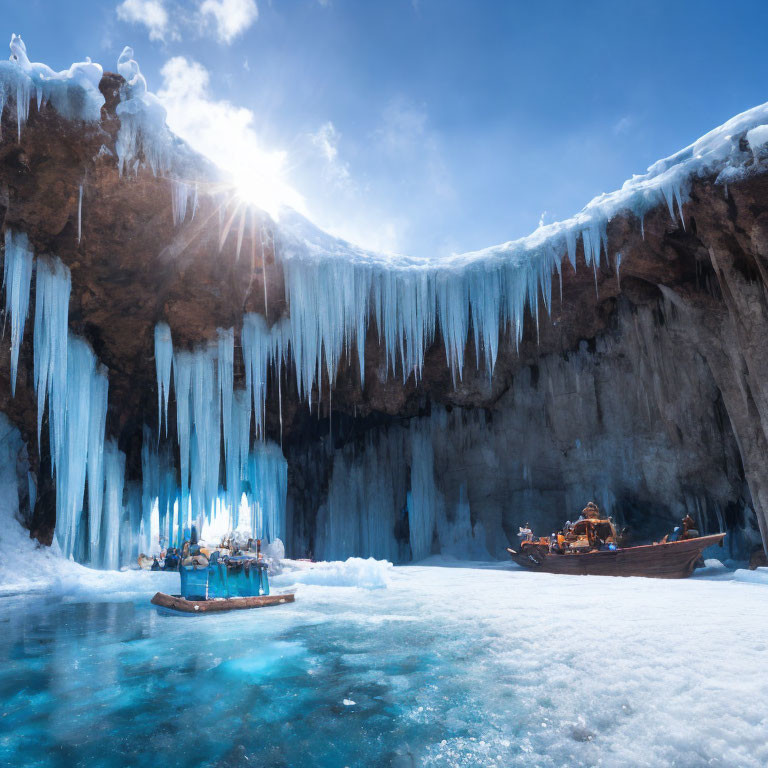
<point x="443" y="666"/>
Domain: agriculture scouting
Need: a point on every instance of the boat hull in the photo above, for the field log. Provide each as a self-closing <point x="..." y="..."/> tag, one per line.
<point x="673" y="560"/>
<point x="177" y="603"/>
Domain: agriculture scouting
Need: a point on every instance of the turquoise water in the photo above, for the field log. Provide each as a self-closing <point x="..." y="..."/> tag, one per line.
<point x="115" y="684"/>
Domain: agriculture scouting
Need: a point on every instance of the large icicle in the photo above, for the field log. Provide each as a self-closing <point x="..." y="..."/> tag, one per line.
<point x="163" y="358"/>
<point x="226" y="363"/>
<point x="17" y="275"/>
<point x="268" y="478"/>
<point x="71" y="469"/>
<point x="114" y="478"/>
<point x="52" y="289"/>
<point x="96" y="427"/>
<point x="423" y="496"/>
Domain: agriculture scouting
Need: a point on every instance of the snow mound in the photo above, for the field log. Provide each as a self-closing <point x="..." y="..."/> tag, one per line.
<point x="353" y="572"/>
<point x="758" y="576"/>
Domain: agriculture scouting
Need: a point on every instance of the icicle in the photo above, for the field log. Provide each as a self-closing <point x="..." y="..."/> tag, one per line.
<point x="80" y="214"/>
<point x="52" y="289"/>
<point x="17" y="276"/>
<point x="114" y="474"/>
<point x="422" y="498"/>
<point x="182" y="381"/>
<point x="226" y="363"/>
<point x="99" y="388"/>
<point x="163" y="359"/>
<point x="618" y="268"/>
<point x="678" y="198"/>
<point x="268" y="479"/>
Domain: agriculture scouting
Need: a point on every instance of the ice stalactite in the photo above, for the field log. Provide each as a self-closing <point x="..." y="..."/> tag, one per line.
<point x="366" y="500"/>
<point x="96" y="431"/>
<point x="383" y="498"/>
<point x="114" y="478"/>
<point x="263" y="346"/>
<point x="182" y="381"/>
<point x="268" y="481"/>
<point x="207" y="408"/>
<point x="83" y="423"/>
<point x="226" y="380"/>
<point x="80" y="214"/>
<point x="52" y="288"/>
<point x="182" y="195"/>
<point x="17" y="276"/>
<point x="163" y="361"/>
<point x="72" y="466"/>
<point x="70" y="379"/>
<point x="423" y="496"/>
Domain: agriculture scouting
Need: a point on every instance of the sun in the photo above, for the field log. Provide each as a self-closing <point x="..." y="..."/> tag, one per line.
<point x="260" y="179"/>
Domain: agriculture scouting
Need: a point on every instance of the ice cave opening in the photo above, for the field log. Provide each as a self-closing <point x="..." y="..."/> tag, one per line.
<point x="352" y="403"/>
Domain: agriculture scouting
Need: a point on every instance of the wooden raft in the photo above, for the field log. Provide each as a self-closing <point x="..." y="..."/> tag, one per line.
<point x="177" y="603"/>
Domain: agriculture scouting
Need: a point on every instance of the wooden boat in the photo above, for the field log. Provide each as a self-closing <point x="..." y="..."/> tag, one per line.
<point x="181" y="604"/>
<point x="666" y="560"/>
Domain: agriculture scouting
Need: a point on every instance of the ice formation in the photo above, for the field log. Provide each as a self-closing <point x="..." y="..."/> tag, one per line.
<point x="335" y="291"/>
<point x="73" y="93"/>
<point x="163" y="360"/>
<point x="143" y="133"/>
<point x="17" y="276"/>
<point x="211" y="412"/>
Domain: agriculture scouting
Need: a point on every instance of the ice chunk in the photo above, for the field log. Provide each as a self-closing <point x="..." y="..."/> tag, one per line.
<point x="354" y="572"/>
<point x="757" y="576"/>
<point x="757" y="138"/>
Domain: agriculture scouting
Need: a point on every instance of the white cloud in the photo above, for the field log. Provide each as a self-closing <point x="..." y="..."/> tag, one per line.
<point x="623" y="125"/>
<point x="232" y="17"/>
<point x="326" y="141"/>
<point x="226" y="135"/>
<point x="150" y="13"/>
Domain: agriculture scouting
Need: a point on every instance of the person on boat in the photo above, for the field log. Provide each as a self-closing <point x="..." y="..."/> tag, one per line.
<point x="590" y="512"/>
<point x="171" y="560"/>
<point x="525" y="533"/>
<point x="689" y="528"/>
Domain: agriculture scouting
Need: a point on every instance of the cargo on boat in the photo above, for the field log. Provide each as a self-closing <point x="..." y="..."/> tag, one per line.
<point x="592" y="546"/>
<point x="221" y="580"/>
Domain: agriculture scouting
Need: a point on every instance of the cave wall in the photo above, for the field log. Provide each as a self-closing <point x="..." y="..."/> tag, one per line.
<point x="632" y="420"/>
<point x="644" y="387"/>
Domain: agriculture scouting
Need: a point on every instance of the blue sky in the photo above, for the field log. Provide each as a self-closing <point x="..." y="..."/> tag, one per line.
<point x="427" y="126"/>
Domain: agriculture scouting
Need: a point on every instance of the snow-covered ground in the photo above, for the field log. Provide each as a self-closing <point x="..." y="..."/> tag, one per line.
<point x="475" y="664"/>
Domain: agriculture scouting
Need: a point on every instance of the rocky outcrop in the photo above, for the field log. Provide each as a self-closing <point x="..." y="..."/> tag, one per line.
<point x="645" y="387"/>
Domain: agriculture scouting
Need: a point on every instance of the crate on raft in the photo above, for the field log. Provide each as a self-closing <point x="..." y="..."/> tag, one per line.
<point x="235" y="577"/>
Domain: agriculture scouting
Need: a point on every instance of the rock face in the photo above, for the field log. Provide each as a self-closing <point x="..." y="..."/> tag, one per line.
<point x="646" y="388"/>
